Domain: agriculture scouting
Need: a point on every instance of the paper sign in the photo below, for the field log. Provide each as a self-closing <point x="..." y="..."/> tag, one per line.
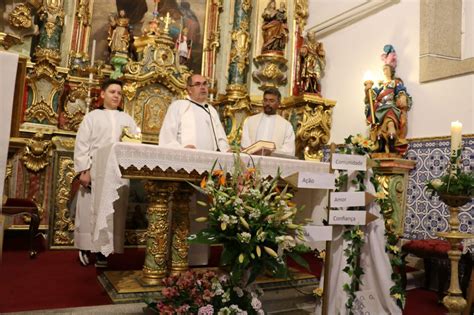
<point x="339" y="217"/>
<point x="366" y="303"/>
<point x="317" y="233"/>
<point x="349" y="162"/>
<point x="346" y="199"/>
<point x="312" y="180"/>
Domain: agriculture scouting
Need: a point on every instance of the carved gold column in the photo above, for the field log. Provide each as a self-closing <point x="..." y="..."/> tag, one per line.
<point x="155" y="266"/>
<point x="392" y="175"/>
<point x="180" y="229"/>
<point x="240" y="50"/>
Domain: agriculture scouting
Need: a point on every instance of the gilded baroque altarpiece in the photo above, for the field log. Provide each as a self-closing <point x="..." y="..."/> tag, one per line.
<point x="67" y="50"/>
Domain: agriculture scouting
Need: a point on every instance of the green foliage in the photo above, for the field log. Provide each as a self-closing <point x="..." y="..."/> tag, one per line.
<point x="455" y="181"/>
<point x="253" y="220"/>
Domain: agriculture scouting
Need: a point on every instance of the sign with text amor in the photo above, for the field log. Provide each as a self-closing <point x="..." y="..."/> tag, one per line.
<point x="347" y="199"/>
<point x="349" y="162"/>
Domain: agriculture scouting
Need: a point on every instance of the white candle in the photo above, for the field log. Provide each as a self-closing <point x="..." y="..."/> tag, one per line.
<point x="93" y="53"/>
<point x="456" y="136"/>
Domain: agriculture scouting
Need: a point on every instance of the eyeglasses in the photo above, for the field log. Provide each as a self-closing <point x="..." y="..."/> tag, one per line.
<point x="199" y="84"/>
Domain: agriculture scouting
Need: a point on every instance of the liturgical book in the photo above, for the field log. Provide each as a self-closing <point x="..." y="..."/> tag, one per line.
<point x="260" y="147"/>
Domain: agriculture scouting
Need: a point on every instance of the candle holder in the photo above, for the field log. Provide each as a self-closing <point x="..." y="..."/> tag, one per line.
<point x="454" y="301"/>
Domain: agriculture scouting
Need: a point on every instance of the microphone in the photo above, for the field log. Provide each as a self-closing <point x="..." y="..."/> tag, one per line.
<point x="212" y="125"/>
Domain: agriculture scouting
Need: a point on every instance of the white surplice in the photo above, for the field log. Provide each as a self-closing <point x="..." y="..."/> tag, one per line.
<point x="374" y="261"/>
<point x="269" y="128"/>
<point x="188" y="123"/>
<point x="8" y="64"/>
<point x="99" y="128"/>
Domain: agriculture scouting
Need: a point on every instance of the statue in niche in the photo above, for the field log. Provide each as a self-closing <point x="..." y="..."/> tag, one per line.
<point x="274" y="28"/>
<point x="183" y="45"/>
<point x="386" y="107"/>
<point x="313" y="63"/>
<point x="50" y="31"/>
<point x="119" y="34"/>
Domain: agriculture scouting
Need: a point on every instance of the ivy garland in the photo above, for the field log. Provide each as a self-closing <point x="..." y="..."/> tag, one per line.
<point x="355" y="236"/>
<point x="385" y="202"/>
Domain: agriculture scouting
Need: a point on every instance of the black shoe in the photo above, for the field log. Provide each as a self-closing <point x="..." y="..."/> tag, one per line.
<point x="101" y="261"/>
<point x="84" y="257"/>
<point x="381" y="144"/>
<point x="391" y="144"/>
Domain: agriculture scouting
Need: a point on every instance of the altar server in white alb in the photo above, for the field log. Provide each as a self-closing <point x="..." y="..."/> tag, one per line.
<point x="269" y="126"/>
<point x="192" y="123"/>
<point x="100" y="127"/>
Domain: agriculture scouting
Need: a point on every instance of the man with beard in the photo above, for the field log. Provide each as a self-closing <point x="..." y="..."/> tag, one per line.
<point x="269" y="126"/>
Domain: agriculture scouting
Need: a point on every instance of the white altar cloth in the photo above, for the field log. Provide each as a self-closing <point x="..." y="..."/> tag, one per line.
<point x="107" y="176"/>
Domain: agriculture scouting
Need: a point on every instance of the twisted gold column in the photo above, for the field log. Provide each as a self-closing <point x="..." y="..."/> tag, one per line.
<point x="155" y="266"/>
<point x="180" y="229"/>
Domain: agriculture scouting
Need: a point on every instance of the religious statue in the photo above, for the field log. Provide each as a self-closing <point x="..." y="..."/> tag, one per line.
<point x="119" y="34"/>
<point x="183" y="45"/>
<point x="387" y="106"/>
<point x="275" y="28"/>
<point x="313" y="62"/>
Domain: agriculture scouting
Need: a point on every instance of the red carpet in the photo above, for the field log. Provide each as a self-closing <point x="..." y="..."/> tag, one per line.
<point x="56" y="280"/>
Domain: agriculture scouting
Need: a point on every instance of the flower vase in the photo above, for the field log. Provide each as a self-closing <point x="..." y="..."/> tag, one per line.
<point x="454" y="301"/>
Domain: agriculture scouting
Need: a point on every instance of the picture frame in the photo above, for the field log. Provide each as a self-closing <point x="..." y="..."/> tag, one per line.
<point x="192" y="14"/>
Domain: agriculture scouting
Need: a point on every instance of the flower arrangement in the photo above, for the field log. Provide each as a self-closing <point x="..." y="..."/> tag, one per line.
<point x="253" y="219"/>
<point x="206" y="293"/>
<point x="455" y="181"/>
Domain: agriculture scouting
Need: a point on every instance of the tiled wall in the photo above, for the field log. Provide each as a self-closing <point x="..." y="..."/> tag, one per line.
<point x="426" y="215"/>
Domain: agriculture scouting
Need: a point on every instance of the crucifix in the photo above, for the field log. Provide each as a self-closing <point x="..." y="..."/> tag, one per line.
<point x="167" y="20"/>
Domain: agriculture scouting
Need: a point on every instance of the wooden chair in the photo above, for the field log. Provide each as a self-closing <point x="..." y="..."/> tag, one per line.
<point x="14" y="206"/>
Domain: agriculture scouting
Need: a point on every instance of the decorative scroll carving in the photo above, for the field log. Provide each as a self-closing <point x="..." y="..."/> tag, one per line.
<point x="63" y="224"/>
<point x="271" y="71"/>
<point x="21" y="17"/>
<point x="63" y="144"/>
<point x="37" y="153"/>
<point x="45" y="83"/>
<point x="239" y="53"/>
<point x="75" y="107"/>
<point x="314" y="131"/>
<point x="301" y="13"/>
<point x="392" y="175"/>
<point x="9" y="40"/>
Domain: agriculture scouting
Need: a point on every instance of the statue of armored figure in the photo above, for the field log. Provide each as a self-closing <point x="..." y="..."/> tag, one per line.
<point x="386" y="107"/>
<point x="312" y="64"/>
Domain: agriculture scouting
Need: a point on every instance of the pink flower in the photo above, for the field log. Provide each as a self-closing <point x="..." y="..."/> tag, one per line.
<point x="207" y="295"/>
<point x="183" y="309"/>
<point x="206" y="310"/>
<point x="169" y="292"/>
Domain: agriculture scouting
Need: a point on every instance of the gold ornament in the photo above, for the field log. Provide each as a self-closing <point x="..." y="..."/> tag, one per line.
<point x="37" y="153"/>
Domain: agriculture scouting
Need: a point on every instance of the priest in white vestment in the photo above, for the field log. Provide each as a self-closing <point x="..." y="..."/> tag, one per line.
<point x="99" y="128"/>
<point x="269" y="126"/>
<point x="192" y="123"/>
